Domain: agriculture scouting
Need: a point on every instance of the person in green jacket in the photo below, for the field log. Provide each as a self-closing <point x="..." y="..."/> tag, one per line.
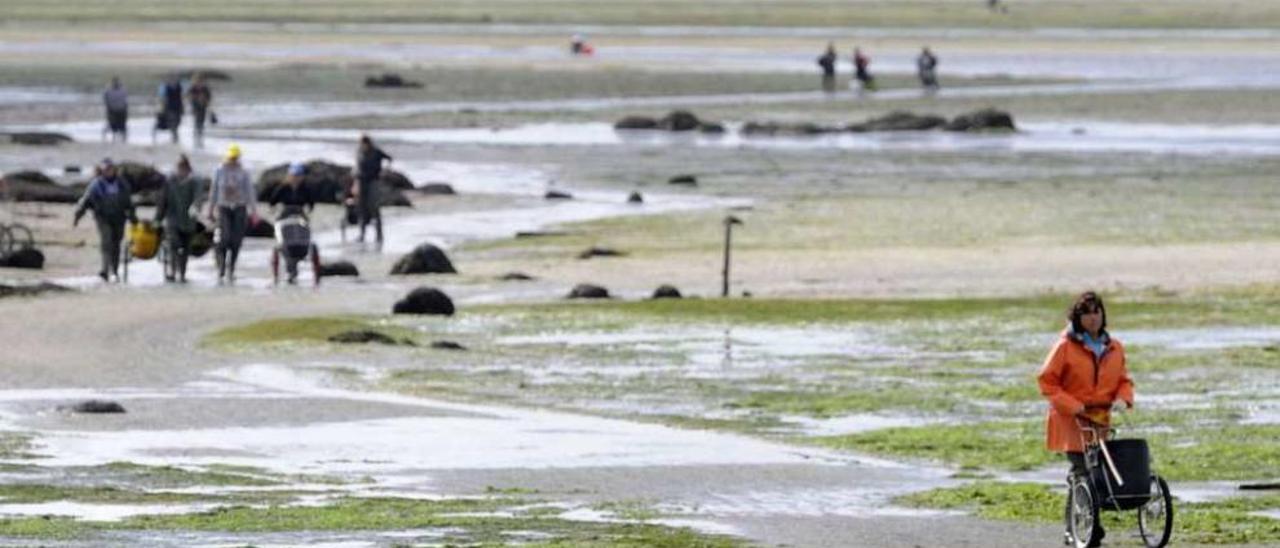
<point x="111" y="200"/>
<point x="176" y="209"/>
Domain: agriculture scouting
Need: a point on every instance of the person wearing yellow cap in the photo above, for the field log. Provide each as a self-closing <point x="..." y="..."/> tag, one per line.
<point x="232" y="203"/>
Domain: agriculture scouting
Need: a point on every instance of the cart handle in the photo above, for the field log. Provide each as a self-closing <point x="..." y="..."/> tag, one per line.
<point x="1092" y="426"/>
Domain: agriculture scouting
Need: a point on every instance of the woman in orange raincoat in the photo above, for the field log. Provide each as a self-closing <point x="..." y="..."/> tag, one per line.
<point x="1082" y="377"/>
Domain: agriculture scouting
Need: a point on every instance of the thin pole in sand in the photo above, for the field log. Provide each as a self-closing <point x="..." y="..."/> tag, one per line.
<point x="729" y="221"/>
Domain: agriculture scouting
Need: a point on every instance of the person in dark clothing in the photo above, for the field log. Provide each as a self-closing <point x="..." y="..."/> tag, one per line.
<point x="171" y="108"/>
<point x="828" y="63"/>
<point x="116" y="99"/>
<point x="176" y="211"/>
<point x="365" y="188"/>
<point x="110" y="199"/>
<point x="861" y="63"/>
<point x="293" y="195"/>
<point x="927" y="67"/>
<point x="200" y="96"/>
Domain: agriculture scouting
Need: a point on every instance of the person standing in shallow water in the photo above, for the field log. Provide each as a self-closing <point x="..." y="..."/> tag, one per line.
<point x="1083" y="376"/>
<point x="862" y="72"/>
<point x="232" y="203"/>
<point x="200" y="96"/>
<point x="365" y="187"/>
<point x="827" y="61"/>
<point x="116" y="101"/>
<point x="170" y="103"/>
<point x="109" y="196"/>
<point x="176" y="209"/>
<point x="927" y="68"/>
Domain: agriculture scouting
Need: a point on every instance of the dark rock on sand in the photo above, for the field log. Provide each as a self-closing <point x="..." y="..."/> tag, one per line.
<point x="394" y="179"/>
<point x="714" y="128"/>
<point x="32" y="290"/>
<point x="390" y="80"/>
<point x="636" y="122"/>
<point x="394" y="198"/>
<point x="424" y="259"/>
<point x="70" y="169"/>
<point x="558" y="195"/>
<point x="339" y="268"/>
<point x="515" y="277"/>
<point x="93" y="407"/>
<point x="588" y="291"/>
<point x="30" y="176"/>
<point x="209" y="74"/>
<point x="26" y="257"/>
<point x="900" y="120"/>
<point x="447" y="345"/>
<point x="982" y="120"/>
<point x="425" y="300"/>
<point x="362" y="336"/>
<point x="36" y="138"/>
<point x="683" y="180"/>
<point x="779" y="128"/>
<point x="666" y="292"/>
<point x="679" y="120"/>
<point x="540" y="233"/>
<point x="141" y="177"/>
<point x="328" y="182"/>
<point x="600" y="252"/>
<point x="437" y="189"/>
<point x="635" y="198"/>
<point x="22" y="190"/>
<point x="261" y="229"/>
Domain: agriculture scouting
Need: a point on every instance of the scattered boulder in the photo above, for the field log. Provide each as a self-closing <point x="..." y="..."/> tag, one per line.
<point x="424" y="259"/>
<point x="209" y="74"/>
<point x="515" y="277"/>
<point x="636" y="122"/>
<point x="70" y="169"/>
<point x="30" y="176"/>
<point x="390" y="80"/>
<point x="539" y="233"/>
<point x="27" y="257"/>
<point x="779" y="128"/>
<point x="447" y="345"/>
<point x="437" y="189"/>
<point x="93" y="407"/>
<point x="600" y="252"/>
<point x="899" y="120"/>
<point x="328" y="182"/>
<point x="37" y="138"/>
<point x="588" y="291"/>
<point x="982" y="120"/>
<point x="141" y="177"/>
<point x="635" y="198"/>
<point x="679" y="120"/>
<point x="714" y="128"/>
<point x="424" y="300"/>
<point x="339" y="268"/>
<point x="261" y="229"/>
<point x="394" y="179"/>
<point x="394" y="198"/>
<point x="667" y="292"/>
<point x="362" y="336"/>
<point x="32" y="290"/>
<point x="558" y="195"/>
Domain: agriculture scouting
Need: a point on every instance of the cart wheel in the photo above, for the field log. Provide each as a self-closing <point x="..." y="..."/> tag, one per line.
<point x="275" y="265"/>
<point x="315" y="263"/>
<point x="126" y="255"/>
<point x="1084" y="514"/>
<point x="1155" y="518"/>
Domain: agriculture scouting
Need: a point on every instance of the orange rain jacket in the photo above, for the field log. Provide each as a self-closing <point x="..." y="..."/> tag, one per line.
<point x="1072" y="379"/>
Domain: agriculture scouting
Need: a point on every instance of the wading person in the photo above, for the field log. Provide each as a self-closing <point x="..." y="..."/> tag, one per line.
<point x="176" y="211"/>
<point x="200" y="96"/>
<point x="1082" y="377"/>
<point x="295" y="200"/>
<point x="927" y="68"/>
<point x="827" y="62"/>
<point x="116" y="101"/>
<point x="231" y="205"/>
<point x="170" y="103"/>
<point x="861" y="72"/>
<point x="110" y="198"/>
<point x="365" y="187"/>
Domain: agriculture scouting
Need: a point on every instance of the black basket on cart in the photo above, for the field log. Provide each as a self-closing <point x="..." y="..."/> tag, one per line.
<point x="1133" y="461"/>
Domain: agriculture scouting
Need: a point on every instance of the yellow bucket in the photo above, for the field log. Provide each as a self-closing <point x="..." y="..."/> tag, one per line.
<point x="145" y="240"/>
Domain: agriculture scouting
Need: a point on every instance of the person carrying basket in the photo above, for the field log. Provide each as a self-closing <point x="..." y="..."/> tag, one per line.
<point x="1083" y="376"/>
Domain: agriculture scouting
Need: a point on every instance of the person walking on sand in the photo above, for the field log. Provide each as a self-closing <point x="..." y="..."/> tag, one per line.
<point x="116" y="100"/>
<point x="861" y="63"/>
<point x="110" y="198"/>
<point x="176" y="211"/>
<point x="293" y="196"/>
<point x="170" y="104"/>
<point x="1082" y="377"/>
<point x="232" y="205"/>
<point x="927" y="68"/>
<point x="827" y="61"/>
<point x="365" y="187"/>
<point x="200" y="96"/>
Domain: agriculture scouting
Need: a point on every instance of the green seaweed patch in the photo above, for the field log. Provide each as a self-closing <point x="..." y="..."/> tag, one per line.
<point x="43" y="527"/>
<point x="21" y="493"/>
<point x="16" y="445"/>
<point x="172" y="476"/>
<point x="1218" y="452"/>
<point x="302" y="330"/>
<point x="1228" y="521"/>
<point x="838" y="402"/>
<point x="1007" y="445"/>
<point x="630" y="510"/>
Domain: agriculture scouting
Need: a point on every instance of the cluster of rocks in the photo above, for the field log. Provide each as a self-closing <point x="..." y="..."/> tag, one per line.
<point x="35" y="138"/>
<point x="676" y="120"/>
<point x="32" y="290"/>
<point x="328" y="183"/>
<point x="986" y="120"/>
<point x="390" y="80"/>
<point x="592" y="291"/>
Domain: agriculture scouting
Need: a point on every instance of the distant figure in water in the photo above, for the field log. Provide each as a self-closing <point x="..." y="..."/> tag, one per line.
<point x="828" y="63"/>
<point x="170" y="106"/>
<point x="927" y="68"/>
<point x="365" y="187"/>
<point x="860" y="73"/>
<point x="578" y="45"/>
<point x="200" y="97"/>
<point x="116" y="99"/>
